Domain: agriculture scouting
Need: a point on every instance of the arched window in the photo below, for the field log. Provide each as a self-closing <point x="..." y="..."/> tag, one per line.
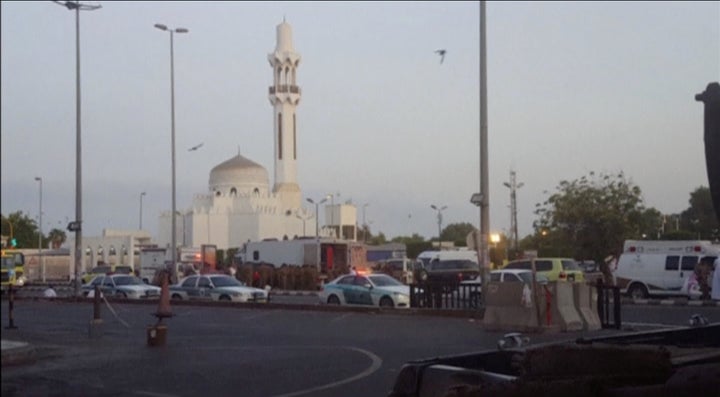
<point x="217" y="193"/>
<point x="256" y="191"/>
<point x="233" y="192"/>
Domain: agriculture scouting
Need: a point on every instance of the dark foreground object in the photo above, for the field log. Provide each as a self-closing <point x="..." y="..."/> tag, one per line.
<point x="711" y="99"/>
<point x="678" y="362"/>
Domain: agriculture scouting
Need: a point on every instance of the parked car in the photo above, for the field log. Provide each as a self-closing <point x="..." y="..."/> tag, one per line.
<point x="555" y="269"/>
<point x="516" y="275"/>
<point x="378" y="290"/>
<point x="447" y="266"/>
<point x="105" y="270"/>
<point x="217" y="287"/>
<point x="122" y="285"/>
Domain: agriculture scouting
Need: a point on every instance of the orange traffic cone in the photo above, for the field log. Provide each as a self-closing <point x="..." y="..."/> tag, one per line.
<point x="164" y="310"/>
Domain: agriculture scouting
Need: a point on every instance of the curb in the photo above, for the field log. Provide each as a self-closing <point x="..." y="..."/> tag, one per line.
<point x="670" y="302"/>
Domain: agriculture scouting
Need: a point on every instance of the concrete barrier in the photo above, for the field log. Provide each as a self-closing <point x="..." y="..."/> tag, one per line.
<point x="562" y="305"/>
<point x="510" y="306"/>
<point x="586" y="304"/>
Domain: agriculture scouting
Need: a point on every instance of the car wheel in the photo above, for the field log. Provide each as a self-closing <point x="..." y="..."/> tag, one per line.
<point x="224" y="298"/>
<point x="176" y="297"/>
<point x="638" y="291"/>
<point x="122" y="295"/>
<point x="333" y="300"/>
<point x="386" y="302"/>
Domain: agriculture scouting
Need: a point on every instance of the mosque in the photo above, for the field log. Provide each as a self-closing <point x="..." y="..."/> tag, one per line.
<point x="240" y="205"/>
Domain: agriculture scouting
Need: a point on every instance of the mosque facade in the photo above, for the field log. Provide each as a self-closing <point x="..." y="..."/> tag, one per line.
<point x="241" y="205"/>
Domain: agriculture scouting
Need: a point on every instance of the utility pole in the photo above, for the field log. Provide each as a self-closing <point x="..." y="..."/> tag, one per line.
<point x="514" y="186"/>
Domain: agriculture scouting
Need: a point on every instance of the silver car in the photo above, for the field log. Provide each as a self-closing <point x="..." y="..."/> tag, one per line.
<point x="217" y="287"/>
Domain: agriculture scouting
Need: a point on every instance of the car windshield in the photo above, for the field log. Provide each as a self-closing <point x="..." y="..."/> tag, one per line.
<point x="383" y="281"/>
<point x="226" y="282"/>
<point x="128" y="280"/>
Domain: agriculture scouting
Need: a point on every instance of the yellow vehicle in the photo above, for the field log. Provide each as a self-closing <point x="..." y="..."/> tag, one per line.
<point x="13" y="268"/>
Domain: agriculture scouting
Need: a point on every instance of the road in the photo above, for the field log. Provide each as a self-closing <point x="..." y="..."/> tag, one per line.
<point x="241" y="351"/>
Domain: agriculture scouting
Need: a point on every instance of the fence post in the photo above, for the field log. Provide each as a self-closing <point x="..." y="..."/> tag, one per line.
<point x="11" y="307"/>
<point x="616" y="307"/>
<point x="601" y="302"/>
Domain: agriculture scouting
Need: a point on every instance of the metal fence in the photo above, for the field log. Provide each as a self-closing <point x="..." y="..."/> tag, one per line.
<point x="444" y="295"/>
<point x="608" y="303"/>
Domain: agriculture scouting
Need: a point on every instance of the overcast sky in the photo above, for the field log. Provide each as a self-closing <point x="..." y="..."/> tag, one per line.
<point x="572" y="88"/>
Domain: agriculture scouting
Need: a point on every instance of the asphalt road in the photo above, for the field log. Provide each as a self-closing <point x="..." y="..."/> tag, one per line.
<point x="229" y="350"/>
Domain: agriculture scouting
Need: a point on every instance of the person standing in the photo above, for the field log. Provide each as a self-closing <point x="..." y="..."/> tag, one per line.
<point x="715" y="291"/>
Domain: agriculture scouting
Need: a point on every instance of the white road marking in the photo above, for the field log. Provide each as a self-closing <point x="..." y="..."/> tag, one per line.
<point x="376" y="364"/>
<point x="340" y="317"/>
<point x="153" y="394"/>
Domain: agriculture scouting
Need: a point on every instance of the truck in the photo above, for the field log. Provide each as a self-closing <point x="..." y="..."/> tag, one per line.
<point x="303" y="251"/>
<point x="152" y="260"/>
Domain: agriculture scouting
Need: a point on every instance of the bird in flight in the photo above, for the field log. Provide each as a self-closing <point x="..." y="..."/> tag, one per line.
<point x="196" y="147"/>
<point x="442" y="54"/>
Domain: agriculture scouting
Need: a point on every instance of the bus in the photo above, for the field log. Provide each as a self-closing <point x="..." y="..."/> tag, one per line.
<point x="13" y="268"/>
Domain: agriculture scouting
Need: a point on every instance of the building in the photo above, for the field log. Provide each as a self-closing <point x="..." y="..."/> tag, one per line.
<point x="241" y="205"/>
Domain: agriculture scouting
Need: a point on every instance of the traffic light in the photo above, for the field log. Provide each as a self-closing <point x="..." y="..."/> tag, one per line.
<point x="13" y="242"/>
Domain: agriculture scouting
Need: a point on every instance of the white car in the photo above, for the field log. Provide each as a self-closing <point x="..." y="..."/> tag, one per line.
<point x="379" y="290"/>
<point x="516" y="275"/>
<point x="123" y="286"/>
<point x="217" y="287"/>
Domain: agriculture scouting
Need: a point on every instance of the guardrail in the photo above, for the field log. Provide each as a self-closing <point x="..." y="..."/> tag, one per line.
<point x="445" y="295"/>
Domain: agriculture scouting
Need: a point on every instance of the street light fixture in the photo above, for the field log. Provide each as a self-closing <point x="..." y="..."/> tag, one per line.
<point x="173" y="245"/>
<point x="439" y="218"/>
<point x="317" y="226"/>
<point x="141" y="200"/>
<point x="77" y="6"/>
<point x="42" y="262"/>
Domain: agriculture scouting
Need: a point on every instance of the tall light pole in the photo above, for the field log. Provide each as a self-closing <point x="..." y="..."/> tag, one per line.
<point x="42" y="262"/>
<point x="365" y="226"/>
<point x="514" y="186"/>
<point x="141" y="197"/>
<point x="484" y="196"/>
<point x="173" y="244"/>
<point x="439" y="219"/>
<point x="77" y="224"/>
<point x="317" y="226"/>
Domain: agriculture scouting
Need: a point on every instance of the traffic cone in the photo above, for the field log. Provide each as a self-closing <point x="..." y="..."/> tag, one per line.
<point x="164" y="310"/>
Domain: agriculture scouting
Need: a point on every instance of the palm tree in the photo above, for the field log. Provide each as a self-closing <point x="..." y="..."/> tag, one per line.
<point x="57" y="237"/>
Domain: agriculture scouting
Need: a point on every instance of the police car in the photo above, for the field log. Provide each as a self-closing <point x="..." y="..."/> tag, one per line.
<point x="357" y="288"/>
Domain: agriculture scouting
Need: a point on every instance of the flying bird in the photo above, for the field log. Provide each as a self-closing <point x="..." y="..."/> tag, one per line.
<point x="442" y="54"/>
<point x="196" y="147"/>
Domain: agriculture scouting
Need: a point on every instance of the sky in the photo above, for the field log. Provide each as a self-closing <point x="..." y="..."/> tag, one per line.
<point x="573" y="87"/>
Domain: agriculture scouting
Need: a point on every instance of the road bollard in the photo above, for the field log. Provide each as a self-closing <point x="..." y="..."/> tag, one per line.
<point x="11" y="307"/>
<point x="95" y="329"/>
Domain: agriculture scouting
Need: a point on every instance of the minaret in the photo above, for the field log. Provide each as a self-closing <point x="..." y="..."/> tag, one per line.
<point x="284" y="95"/>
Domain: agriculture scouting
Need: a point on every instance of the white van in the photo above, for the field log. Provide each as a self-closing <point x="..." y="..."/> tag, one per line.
<point x="661" y="267"/>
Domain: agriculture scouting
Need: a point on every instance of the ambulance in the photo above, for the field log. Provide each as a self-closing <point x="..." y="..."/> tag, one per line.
<point x="662" y="268"/>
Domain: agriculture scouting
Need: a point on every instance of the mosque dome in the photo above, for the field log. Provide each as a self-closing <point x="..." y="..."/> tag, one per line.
<point x="238" y="175"/>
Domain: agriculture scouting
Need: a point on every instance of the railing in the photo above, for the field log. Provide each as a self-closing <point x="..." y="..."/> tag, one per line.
<point x="608" y="295"/>
<point x="445" y="295"/>
<point x="283" y="89"/>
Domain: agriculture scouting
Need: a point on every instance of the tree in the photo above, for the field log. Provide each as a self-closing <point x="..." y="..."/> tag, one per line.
<point x="700" y="218"/>
<point x="457" y="233"/>
<point x="57" y="237"/>
<point x="24" y="229"/>
<point x="591" y="217"/>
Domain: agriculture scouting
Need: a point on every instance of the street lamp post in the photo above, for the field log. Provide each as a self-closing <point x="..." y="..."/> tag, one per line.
<point x="141" y="199"/>
<point x="173" y="244"/>
<point x="42" y="262"/>
<point x="77" y="6"/>
<point x="365" y="226"/>
<point x="317" y="225"/>
<point x="439" y="218"/>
